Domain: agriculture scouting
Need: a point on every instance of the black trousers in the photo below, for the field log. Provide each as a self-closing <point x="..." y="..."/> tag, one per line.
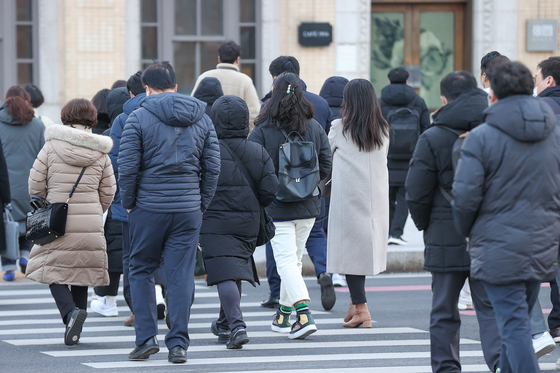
<point x="357" y="288"/>
<point x="445" y="322"/>
<point x="68" y="297"/>
<point x="112" y="289"/>
<point x="398" y="210"/>
<point x="554" y="316"/>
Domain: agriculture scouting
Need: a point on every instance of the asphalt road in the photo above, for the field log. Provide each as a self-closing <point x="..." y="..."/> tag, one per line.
<point x="31" y="335"/>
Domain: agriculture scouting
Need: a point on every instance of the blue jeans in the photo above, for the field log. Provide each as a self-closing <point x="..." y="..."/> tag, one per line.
<point x="512" y="306"/>
<point x="316" y="248"/>
<point x="173" y="236"/>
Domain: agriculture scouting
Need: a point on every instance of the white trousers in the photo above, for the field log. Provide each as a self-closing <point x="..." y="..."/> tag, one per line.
<point x="288" y="245"/>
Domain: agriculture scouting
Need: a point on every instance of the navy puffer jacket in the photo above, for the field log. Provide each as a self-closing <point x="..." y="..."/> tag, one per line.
<point x="332" y="91"/>
<point x="169" y="157"/>
<point x="231" y="224"/>
<point x="506" y="194"/>
<point x="209" y="90"/>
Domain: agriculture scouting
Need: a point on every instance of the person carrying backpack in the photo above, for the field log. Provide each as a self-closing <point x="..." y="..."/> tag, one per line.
<point x="408" y="116"/>
<point x="428" y="190"/>
<point x="300" y="150"/>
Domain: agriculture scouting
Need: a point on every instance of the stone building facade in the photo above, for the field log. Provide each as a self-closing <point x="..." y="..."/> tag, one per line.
<point x="73" y="48"/>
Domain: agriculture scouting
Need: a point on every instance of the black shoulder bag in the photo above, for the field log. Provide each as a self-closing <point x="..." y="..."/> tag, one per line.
<point x="48" y="220"/>
<point x="266" y="228"/>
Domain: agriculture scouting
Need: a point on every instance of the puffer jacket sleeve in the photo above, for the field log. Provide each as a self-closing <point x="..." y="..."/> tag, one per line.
<point x="107" y="185"/>
<point x="130" y="156"/>
<point x="116" y="134"/>
<point x="424" y="116"/>
<point x="38" y="173"/>
<point x="468" y="185"/>
<point x="325" y="155"/>
<point x="209" y="167"/>
<point x="268" y="184"/>
<point x="421" y="183"/>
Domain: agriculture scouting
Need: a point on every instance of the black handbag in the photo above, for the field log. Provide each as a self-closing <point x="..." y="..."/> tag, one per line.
<point x="48" y="220"/>
<point x="267" y="230"/>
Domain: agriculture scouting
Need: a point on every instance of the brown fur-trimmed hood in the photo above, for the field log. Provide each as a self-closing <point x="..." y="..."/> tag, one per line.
<point x="77" y="146"/>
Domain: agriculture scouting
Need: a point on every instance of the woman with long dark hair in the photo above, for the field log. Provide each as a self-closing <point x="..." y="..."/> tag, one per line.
<point x="287" y="115"/>
<point x="359" y="210"/>
<point x="22" y="139"/>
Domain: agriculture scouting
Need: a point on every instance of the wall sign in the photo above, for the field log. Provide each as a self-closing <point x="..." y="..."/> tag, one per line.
<point x="542" y="35"/>
<point x="315" y="34"/>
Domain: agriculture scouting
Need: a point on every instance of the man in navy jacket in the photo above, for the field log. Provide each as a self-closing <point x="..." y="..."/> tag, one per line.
<point x="169" y="163"/>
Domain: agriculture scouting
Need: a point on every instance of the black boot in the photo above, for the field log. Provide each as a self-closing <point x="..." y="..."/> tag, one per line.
<point x="142" y="352"/>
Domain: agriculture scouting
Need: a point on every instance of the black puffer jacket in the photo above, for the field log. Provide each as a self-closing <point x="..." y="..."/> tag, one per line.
<point x="396" y="96"/>
<point x="506" y="195"/>
<point x="431" y="166"/>
<point x="332" y="91"/>
<point x="553" y="93"/>
<point x="209" y="90"/>
<point x="231" y="223"/>
<point x="271" y="137"/>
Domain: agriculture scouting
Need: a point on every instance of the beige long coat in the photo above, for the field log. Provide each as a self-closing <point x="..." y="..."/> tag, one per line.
<point x="359" y="209"/>
<point x="79" y="257"/>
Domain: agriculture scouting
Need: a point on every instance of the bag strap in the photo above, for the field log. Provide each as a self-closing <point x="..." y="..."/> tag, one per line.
<point x="241" y="166"/>
<point x="446" y="195"/>
<point x="76" y="185"/>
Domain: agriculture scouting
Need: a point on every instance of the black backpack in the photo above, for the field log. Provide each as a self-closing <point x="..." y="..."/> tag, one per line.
<point x="298" y="169"/>
<point x="455" y="155"/>
<point x="405" y="131"/>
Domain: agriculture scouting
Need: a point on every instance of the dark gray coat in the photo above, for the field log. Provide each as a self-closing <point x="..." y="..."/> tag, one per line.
<point x="431" y="166"/>
<point x="506" y="192"/>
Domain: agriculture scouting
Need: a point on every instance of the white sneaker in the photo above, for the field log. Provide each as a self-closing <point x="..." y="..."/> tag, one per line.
<point x="558" y="364"/>
<point x="98" y="306"/>
<point x="160" y="302"/>
<point x="543" y="345"/>
<point x="338" y="280"/>
<point x="465" y="304"/>
<point x="397" y="241"/>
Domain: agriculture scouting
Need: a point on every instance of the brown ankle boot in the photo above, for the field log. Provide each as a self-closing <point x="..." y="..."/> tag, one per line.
<point x="351" y="312"/>
<point x="362" y="317"/>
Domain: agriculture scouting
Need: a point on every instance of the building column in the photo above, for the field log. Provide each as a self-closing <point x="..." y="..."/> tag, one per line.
<point x="270" y="40"/>
<point x="48" y="59"/>
<point x="132" y="38"/>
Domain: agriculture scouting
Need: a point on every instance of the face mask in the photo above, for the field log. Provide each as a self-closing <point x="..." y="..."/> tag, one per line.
<point x="535" y="92"/>
<point x="487" y="90"/>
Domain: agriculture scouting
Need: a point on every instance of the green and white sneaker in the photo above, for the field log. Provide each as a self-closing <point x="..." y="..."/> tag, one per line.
<point x="303" y="327"/>
<point x="281" y="322"/>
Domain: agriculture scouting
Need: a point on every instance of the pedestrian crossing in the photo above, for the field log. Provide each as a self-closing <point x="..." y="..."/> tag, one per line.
<point x="31" y="326"/>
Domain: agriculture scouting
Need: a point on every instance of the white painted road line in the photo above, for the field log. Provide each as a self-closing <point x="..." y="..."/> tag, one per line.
<point x="262" y="334"/>
<point x="265" y="346"/>
<point x="273" y="359"/>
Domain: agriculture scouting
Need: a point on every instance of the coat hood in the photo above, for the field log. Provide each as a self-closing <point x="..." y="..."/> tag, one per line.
<point x="175" y="109"/>
<point x="398" y="94"/>
<point x="230" y="116"/>
<point x="77" y="146"/>
<point x="115" y="101"/>
<point x="133" y="103"/>
<point x="209" y="90"/>
<point x="465" y="112"/>
<point x="332" y="90"/>
<point x="525" y="118"/>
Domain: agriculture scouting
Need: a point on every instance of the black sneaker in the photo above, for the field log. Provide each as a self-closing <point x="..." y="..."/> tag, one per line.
<point x="222" y="334"/>
<point x="237" y="339"/>
<point x="74" y="326"/>
<point x="328" y="296"/>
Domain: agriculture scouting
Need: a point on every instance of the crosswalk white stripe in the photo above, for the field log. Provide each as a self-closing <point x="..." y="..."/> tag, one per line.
<point x="193" y="336"/>
<point x="274" y="359"/>
<point x="472" y="368"/>
<point x="93" y="317"/>
<point x="122" y="328"/>
<point x="263" y="346"/>
<point x="54" y="311"/>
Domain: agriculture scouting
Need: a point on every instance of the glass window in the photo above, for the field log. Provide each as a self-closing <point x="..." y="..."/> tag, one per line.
<point x="184" y="65"/>
<point x="149" y="11"/>
<point x="249" y="69"/>
<point x="248" y="42"/>
<point x="149" y="43"/>
<point x="24" y="42"/>
<point x="387" y="46"/>
<point x="212" y="17"/>
<point x="24" y="73"/>
<point x="209" y="55"/>
<point x="437" y="31"/>
<point x="23" y="10"/>
<point x="185" y="17"/>
<point x="247" y="11"/>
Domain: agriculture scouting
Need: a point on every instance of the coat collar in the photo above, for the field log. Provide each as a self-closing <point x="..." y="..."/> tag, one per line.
<point x="227" y="66"/>
<point x="79" y="136"/>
